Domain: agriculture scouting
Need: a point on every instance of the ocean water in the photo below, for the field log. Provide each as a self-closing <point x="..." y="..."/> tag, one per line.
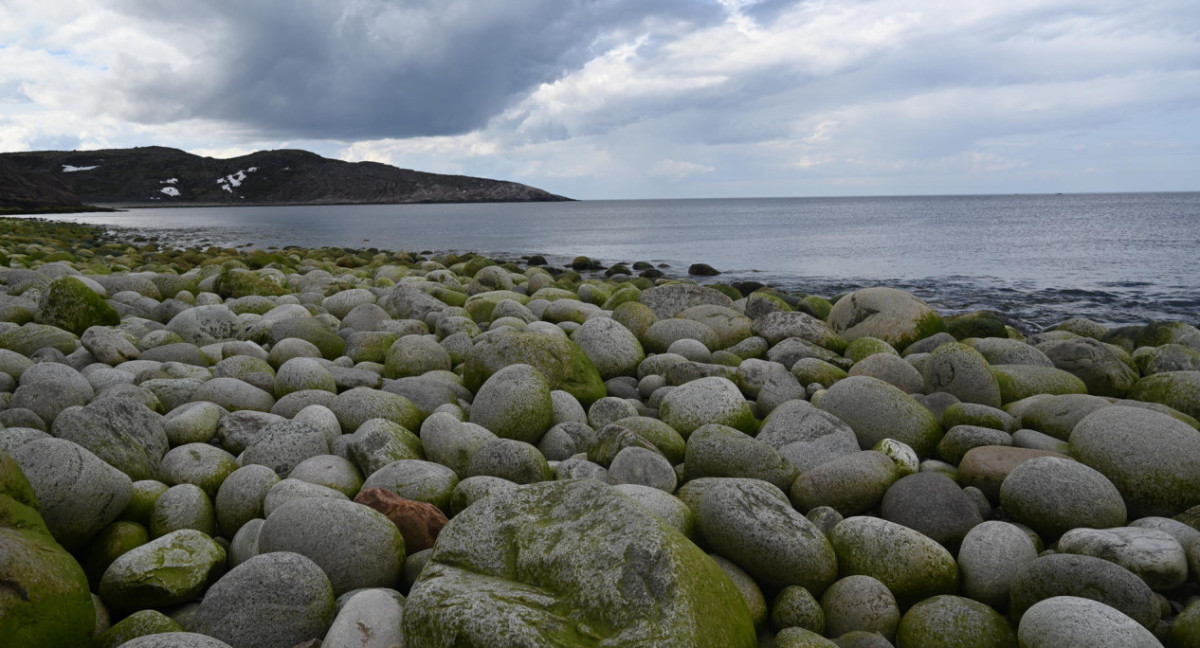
<point x="1037" y="259"/>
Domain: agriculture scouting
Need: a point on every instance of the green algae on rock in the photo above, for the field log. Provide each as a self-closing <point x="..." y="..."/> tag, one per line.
<point x="571" y="563"/>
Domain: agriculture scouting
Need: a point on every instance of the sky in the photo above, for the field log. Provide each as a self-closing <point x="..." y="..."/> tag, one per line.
<point x="615" y="99"/>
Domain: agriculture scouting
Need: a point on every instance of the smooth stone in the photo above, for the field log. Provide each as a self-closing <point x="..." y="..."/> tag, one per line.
<point x="172" y="569"/>
<point x="244" y="544"/>
<point x="850" y="484"/>
<point x="273" y="600"/>
<point x="203" y="325"/>
<point x="751" y="594"/>
<point x="330" y="471"/>
<point x="932" y="504"/>
<point x="355" y="545"/>
<point x="233" y="395"/>
<point x="715" y="450"/>
<point x="990" y="557"/>
<point x="978" y="415"/>
<point x="1153" y="459"/>
<point x="240" y="497"/>
<point x="127" y="435"/>
<point x="795" y="607"/>
<point x="452" y="443"/>
<point x="986" y="467"/>
<point x="954" y="622"/>
<point x="473" y="489"/>
<point x="378" y="442"/>
<point x="777" y="326"/>
<point x="370" y="619"/>
<point x="423" y="481"/>
<point x="78" y="493"/>
<point x="962" y="438"/>
<point x="860" y="603"/>
<point x="643" y="467"/>
<point x="613" y="348"/>
<point x="1054" y="495"/>
<point x="890" y="369"/>
<point x="911" y="565"/>
<point x="282" y="446"/>
<point x="766" y="537"/>
<point x="560" y="562"/>
<point x="1152" y="555"/>
<point x="1095" y="363"/>
<point x="200" y="464"/>
<point x="564" y="365"/>
<point x="891" y="315"/>
<point x="876" y="410"/>
<point x="142" y="623"/>
<point x="289" y="490"/>
<point x="509" y="459"/>
<point x="670" y="300"/>
<point x="962" y="371"/>
<point x="1018" y="381"/>
<point x="807" y="436"/>
<point x="175" y="640"/>
<point x="665" y="507"/>
<point x="1093" y="578"/>
<point x="356" y="406"/>
<point x="192" y="423"/>
<point x="705" y="401"/>
<point x="185" y="506"/>
<point x="1074" y="622"/>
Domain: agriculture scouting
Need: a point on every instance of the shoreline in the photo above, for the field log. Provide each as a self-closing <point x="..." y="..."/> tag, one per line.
<point x="726" y="464"/>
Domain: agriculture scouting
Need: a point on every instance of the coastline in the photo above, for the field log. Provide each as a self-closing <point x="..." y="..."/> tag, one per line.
<point x="316" y="420"/>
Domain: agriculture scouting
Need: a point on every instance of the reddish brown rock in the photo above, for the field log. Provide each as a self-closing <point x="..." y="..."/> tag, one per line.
<point x="418" y="522"/>
<point x="986" y="467"/>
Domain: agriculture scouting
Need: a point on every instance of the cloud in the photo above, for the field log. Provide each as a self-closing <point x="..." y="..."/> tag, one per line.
<point x="604" y="99"/>
<point x="676" y="169"/>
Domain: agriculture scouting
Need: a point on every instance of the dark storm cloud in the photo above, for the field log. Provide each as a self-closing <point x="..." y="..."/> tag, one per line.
<point x="363" y="69"/>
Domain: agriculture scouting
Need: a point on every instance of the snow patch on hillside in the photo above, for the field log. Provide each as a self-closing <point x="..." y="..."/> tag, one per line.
<point x="169" y="181"/>
<point x="170" y="191"/>
<point x="67" y="168"/>
<point x="235" y="179"/>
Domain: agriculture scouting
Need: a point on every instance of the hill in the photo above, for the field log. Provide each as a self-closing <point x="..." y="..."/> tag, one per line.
<point x="160" y="176"/>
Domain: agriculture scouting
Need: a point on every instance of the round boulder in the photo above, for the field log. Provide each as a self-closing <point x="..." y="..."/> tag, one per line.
<point x="891" y="315"/>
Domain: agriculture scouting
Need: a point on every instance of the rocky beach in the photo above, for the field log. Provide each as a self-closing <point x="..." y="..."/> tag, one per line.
<point x="337" y="447"/>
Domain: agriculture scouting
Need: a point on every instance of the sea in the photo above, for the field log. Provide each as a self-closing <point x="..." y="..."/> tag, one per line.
<point x="1117" y="258"/>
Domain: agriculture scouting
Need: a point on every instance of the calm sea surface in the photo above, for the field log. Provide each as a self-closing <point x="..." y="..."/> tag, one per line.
<point x="1117" y="258"/>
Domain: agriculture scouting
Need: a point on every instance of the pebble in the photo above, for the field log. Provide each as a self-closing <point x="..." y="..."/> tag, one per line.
<point x="399" y="373"/>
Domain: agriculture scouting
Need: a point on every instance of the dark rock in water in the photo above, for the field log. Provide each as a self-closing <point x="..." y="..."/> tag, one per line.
<point x="536" y="260"/>
<point x="651" y="273"/>
<point x="747" y="287"/>
<point x="619" y="268"/>
<point x="703" y="270"/>
<point x="642" y="265"/>
<point x="582" y="263"/>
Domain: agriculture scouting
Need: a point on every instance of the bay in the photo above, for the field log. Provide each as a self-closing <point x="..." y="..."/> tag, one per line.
<point x="1038" y="259"/>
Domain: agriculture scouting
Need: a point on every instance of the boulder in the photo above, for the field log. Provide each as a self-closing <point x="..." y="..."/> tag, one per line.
<point x="273" y="600"/>
<point x="1152" y="458"/>
<point x="562" y="562"/>
<point x="891" y="315"/>
<point x="876" y="410"/>
<point x="911" y="565"/>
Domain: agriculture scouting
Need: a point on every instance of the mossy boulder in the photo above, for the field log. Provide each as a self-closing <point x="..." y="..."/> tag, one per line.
<point x="70" y="305"/>
<point x="138" y="624"/>
<point x="44" y="600"/>
<point x="892" y="315"/>
<point x="514" y="403"/>
<point x="911" y="565"/>
<point x="877" y="410"/>
<point x="1179" y="390"/>
<point x="572" y="563"/>
<point x="707" y="400"/>
<point x="1098" y="365"/>
<point x="954" y="622"/>
<point x="30" y="337"/>
<point x="1022" y="381"/>
<point x="1152" y="458"/>
<point x="170" y="570"/>
<point x="240" y="283"/>
<point x="958" y="369"/>
<point x="560" y="360"/>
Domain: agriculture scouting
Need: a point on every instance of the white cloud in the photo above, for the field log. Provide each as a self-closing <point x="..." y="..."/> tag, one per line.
<point x="676" y="169"/>
<point x="741" y="96"/>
